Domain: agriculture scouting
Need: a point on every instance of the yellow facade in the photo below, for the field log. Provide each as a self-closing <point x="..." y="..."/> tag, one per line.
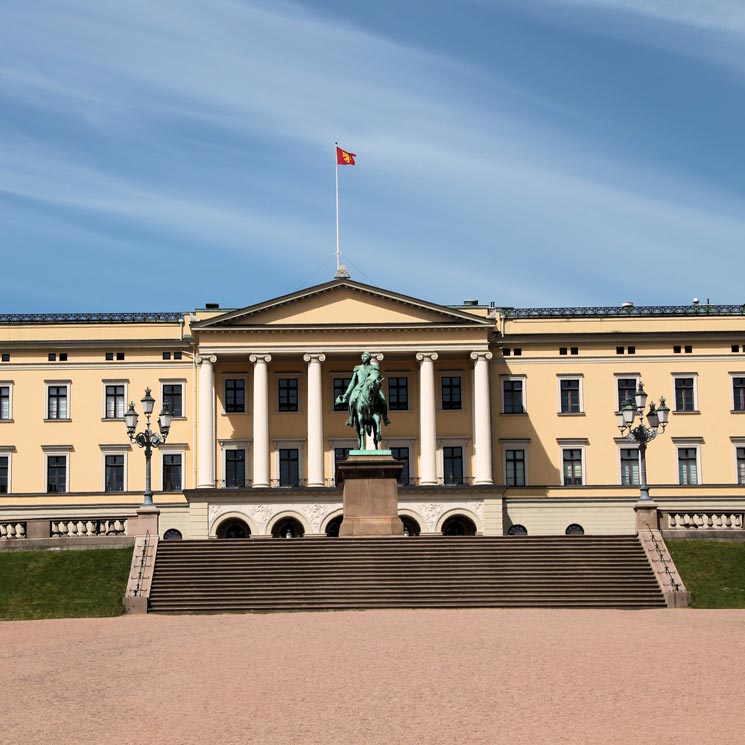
<point x="64" y="380"/>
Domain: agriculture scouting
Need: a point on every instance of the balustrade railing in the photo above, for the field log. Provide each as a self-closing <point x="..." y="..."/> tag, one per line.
<point x="695" y="520"/>
<point x="12" y="530"/>
<point x="233" y="483"/>
<point x="85" y="528"/>
<point x="280" y="483"/>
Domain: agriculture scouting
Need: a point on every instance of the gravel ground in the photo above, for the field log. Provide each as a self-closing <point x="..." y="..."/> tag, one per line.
<point x="469" y="676"/>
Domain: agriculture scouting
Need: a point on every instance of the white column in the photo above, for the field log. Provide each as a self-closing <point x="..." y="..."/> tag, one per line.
<point x="206" y="422"/>
<point x="427" y="432"/>
<point x="481" y="419"/>
<point x="315" y="419"/>
<point x="261" y="419"/>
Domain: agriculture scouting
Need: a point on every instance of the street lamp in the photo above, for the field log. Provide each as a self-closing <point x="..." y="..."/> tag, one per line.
<point x="657" y="418"/>
<point x="148" y="439"/>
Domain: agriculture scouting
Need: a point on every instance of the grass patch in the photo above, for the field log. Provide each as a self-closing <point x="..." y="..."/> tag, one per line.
<point x="713" y="571"/>
<point x="63" y="584"/>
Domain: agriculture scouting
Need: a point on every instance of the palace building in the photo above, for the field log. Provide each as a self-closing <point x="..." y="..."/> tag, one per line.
<point x="505" y="418"/>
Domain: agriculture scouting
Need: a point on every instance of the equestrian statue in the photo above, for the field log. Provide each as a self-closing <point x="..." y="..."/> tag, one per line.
<point x="366" y="401"/>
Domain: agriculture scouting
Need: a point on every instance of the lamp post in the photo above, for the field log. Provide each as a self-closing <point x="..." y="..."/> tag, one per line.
<point x="148" y="439"/>
<point x="657" y="418"/>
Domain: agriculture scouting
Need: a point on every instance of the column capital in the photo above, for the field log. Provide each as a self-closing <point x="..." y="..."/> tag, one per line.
<point x="210" y="358"/>
<point x="481" y="355"/>
<point x="314" y="357"/>
<point x="260" y="358"/>
<point x="427" y="356"/>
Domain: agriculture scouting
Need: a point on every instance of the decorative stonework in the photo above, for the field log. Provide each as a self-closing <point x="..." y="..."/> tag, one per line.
<point x="432" y="512"/>
<point x="263" y="514"/>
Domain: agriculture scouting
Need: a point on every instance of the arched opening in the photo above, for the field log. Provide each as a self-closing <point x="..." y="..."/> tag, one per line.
<point x="458" y="525"/>
<point x="574" y="529"/>
<point x="172" y="535"/>
<point x="411" y="526"/>
<point x="517" y="530"/>
<point x="333" y="525"/>
<point x="288" y="527"/>
<point x="233" y="528"/>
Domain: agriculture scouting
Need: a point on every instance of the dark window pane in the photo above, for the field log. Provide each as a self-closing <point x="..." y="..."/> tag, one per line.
<point x="4" y="467"/>
<point x="572" y="458"/>
<point x="172" y="397"/>
<point x="514" y="467"/>
<point x="289" y="467"/>
<point x="451" y="392"/>
<point x="626" y="391"/>
<point x="57" y="402"/>
<point x="687" y="466"/>
<point x="340" y="387"/>
<point x="630" y="466"/>
<point x="513" y="396"/>
<point x="4" y="402"/>
<point x="741" y="465"/>
<point x="56" y="473"/>
<point x="235" y="395"/>
<point x="398" y="394"/>
<point x="452" y="458"/>
<point x="738" y="389"/>
<point x="570" y="403"/>
<point x="114" y="473"/>
<point x="235" y="468"/>
<point x="114" y="401"/>
<point x="288" y="394"/>
<point x="171" y="472"/>
<point x="403" y="455"/>
<point x="684" y="394"/>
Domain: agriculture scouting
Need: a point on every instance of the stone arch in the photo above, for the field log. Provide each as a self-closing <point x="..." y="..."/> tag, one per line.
<point x="418" y="519"/>
<point x="330" y="518"/>
<point x="294" y="514"/>
<point x="221" y="519"/>
<point x="459" y="511"/>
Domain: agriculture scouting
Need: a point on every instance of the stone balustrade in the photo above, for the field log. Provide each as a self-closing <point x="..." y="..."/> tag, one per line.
<point x="85" y="528"/>
<point x="703" y="521"/>
<point x="12" y="530"/>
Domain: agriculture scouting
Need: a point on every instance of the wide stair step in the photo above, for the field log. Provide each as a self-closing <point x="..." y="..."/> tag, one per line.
<point x="422" y="572"/>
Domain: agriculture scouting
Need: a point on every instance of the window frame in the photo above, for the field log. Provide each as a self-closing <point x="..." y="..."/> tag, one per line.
<point x="461" y="389"/>
<point x="283" y="444"/>
<point x="56" y="451"/>
<point x="278" y="381"/>
<point x="636" y="377"/>
<point x="733" y="376"/>
<point x="406" y="387"/>
<point x="628" y="445"/>
<point x="684" y="376"/>
<point x="682" y="445"/>
<point x="6" y="451"/>
<point x="515" y="446"/>
<point x="573" y="444"/>
<point x="738" y="443"/>
<point x="225" y="446"/>
<point x="67" y="384"/>
<point x="234" y="377"/>
<point x="523" y="379"/>
<point x="561" y="378"/>
<point x="170" y="451"/>
<point x="408" y="444"/>
<point x="337" y="392"/>
<point x="106" y="384"/>
<point x="174" y="381"/>
<point x="114" y="451"/>
<point x="454" y="442"/>
<point x="9" y="385"/>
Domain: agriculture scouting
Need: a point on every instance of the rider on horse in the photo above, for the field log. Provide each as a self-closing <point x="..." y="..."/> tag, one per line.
<point x="364" y="376"/>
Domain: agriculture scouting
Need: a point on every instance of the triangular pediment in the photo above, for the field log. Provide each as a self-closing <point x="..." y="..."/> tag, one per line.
<point x="342" y="303"/>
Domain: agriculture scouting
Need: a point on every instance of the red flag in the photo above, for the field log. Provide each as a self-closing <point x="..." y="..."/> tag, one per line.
<point x="343" y="158"/>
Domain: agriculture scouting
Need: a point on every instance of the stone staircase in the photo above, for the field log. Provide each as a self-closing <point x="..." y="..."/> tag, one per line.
<point x="422" y="572"/>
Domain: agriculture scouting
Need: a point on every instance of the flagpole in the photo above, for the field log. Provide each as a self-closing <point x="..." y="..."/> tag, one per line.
<point x="338" y="249"/>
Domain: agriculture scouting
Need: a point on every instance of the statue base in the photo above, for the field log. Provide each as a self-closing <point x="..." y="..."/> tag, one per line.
<point x="370" y="481"/>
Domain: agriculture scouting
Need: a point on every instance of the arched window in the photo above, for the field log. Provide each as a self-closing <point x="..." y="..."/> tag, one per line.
<point x="172" y="535"/>
<point x="574" y="529"/>
<point x="458" y="525"/>
<point x="233" y="528"/>
<point x="333" y="525"/>
<point x="288" y="527"/>
<point x="411" y="526"/>
<point x="517" y="530"/>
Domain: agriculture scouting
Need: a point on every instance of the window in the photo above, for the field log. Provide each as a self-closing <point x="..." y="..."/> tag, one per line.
<point x="402" y="454"/>
<point x="451" y="392"/>
<point x="120" y="356"/>
<point x="289" y="466"/>
<point x="572" y="466"/>
<point x="173" y="398"/>
<point x="52" y="357"/>
<point x="513" y="391"/>
<point x="235" y="468"/>
<point x="172" y="468"/>
<point x="166" y="355"/>
<point x="570" y="395"/>
<point x="631" y="350"/>
<point x="738" y="394"/>
<point x="517" y="351"/>
<point x="340" y="386"/>
<point x="514" y="467"/>
<point x="5" y="357"/>
<point x="178" y="355"/>
<point x="452" y="465"/>
<point x="5" y="410"/>
<point x="688" y="349"/>
<point x="740" y="467"/>
<point x="619" y="350"/>
<point x="288" y="394"/>
<point x="626" y="391"/>
<point x="685" y="394"/>
<point x="688" y="466"/>
<point x="562" y="350"/>
<point x="113" y="472"/>
<point x="63" y="357"/>
<point x="574" y="350"/>
<point x="235" y="395"/>
<point x="57" y="402"/>
<point x="676" y="349"/>
<point x="398" y="393"/>
<point x="56" y="474"/>
<point x="630" y="466"/>
<point x="115" y="397"/>
<point x="109" y="356"/>
<point x="5" y="474"/>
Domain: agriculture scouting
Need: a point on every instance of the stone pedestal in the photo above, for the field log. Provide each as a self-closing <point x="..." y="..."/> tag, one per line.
<point x="646" y="515"/>
<point x="370" y="481"/>
<point x="147" y="521"/>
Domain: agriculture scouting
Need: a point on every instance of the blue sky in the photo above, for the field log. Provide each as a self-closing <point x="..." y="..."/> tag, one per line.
<point x="159" y="155"/>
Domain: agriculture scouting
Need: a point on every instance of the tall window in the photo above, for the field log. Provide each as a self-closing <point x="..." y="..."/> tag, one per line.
<point x="512" y="397"/>
<point x="630" y="466"/>
<point x="340" y="386"/>
<point x="172" y="463"/>
<point x="4" y="468"/>
<point x="398" y="393"/>
<point x="741" y="465"/>
<point x="288" y="394"/>
<point x="451" y="392"/>
<point x="684" y="396"/>
<point x="402" y="454"/>
<point x="235" y="395"/>
<point x="114" y="473"/>
<point x="570" y="396"/>
<point x="452" y="465"/>
<point x="626" y="391"/>
<point x="687" y="466"/>
<point x="57" y="402"/>
<point x="114" y="401"/>
<point x="738" y="392"/>
<point x="173" y="398"/>
<point x="514" y="467"/>
<point x="4" y="402"/>
<point x="289" y="467"/>
<point x="572" y="462"/>
<point x="56" y="474"/>
<point x="235" y="468"/>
